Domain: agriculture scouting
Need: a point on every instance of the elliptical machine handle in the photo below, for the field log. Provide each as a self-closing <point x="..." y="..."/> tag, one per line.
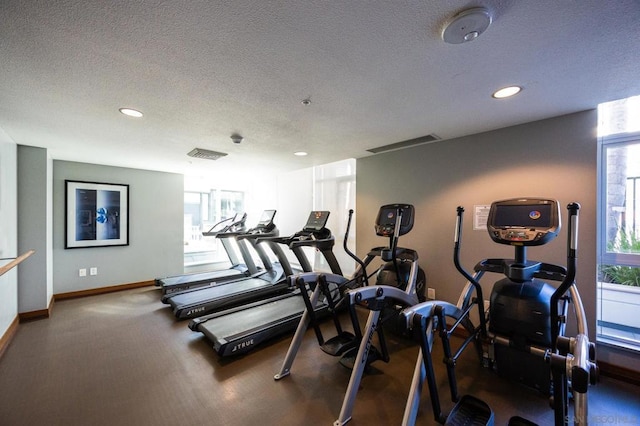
<point x="456" y="261"/>
<point x="349" y="252"/>
<point x="573" y="235"/>
<point x="458" y="231"/>
<point x="569" y="279"/>
<point x="390" y="255"/>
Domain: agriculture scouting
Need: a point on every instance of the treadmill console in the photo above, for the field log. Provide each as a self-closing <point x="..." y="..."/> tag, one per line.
<point x="524" y="221"/>
<point x="265" y="224"/>
<point x="266" y="219"/>
<point x="387" y="217"/>
<point x="316" y="222"/>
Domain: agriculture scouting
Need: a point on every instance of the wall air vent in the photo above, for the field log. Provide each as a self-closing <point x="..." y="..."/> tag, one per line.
<point x="205" y="154"/>
<point x="405" y="144"/>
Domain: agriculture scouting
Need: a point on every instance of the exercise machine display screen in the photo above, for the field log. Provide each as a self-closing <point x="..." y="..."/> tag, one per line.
<point x="526" y="216"/>
<point x="388" y="215"/>
<point x="317" y="221"/>
<point x="267" y="217"/>
<point x="524" y="221"/>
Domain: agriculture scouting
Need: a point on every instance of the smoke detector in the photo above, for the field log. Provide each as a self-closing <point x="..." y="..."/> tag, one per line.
<point x="205" y="154"/>
<point x="236" y="138"/>
<point x="467" y="25"/>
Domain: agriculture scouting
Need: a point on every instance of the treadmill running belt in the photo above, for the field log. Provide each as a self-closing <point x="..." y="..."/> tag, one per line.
<point x="199" y="277"/>
<point x="219" y="291"/>
<point x="239" y="331"/>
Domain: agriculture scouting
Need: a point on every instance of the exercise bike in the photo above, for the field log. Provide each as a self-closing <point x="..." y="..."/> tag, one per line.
<point x="522" y="335"/>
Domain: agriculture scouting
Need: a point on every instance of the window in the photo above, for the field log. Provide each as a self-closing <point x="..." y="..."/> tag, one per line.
<point x="334" y="189"/>
<point x="619" y="223"/>
<point x="201" y="211"/>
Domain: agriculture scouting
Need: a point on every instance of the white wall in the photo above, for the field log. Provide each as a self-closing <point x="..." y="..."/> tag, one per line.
<point x="293" y="195"/>
<point x="260" y="191"/>
<point x="318" y="188"/>
<point x="294" y="200"/>
<point x="8" y="230"/>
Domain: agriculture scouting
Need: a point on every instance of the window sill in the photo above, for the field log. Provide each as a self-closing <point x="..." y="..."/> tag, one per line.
<point x="616" y="343"/>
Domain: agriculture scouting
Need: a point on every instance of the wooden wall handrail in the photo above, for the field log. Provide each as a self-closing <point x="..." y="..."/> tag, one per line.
<point x="15" y="262"/>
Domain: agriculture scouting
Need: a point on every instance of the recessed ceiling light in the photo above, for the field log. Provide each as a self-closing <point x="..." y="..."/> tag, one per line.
<point x="300" y="153"/>
<point x="131" y="112"/>
<point x="506" y="92"/>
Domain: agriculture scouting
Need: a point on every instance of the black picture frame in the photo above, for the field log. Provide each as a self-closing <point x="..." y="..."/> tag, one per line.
<point x="96" y="214"/>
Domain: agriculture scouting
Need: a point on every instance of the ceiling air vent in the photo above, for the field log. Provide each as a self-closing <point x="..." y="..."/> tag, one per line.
<point x="205" y="154"/>
<point x="405" y="144"/>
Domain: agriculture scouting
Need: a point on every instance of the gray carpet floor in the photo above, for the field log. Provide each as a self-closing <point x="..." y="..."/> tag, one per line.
<point x="123" y="359"/>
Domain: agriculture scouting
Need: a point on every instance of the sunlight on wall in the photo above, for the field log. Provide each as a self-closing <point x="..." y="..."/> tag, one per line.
<point x="621" y="116"/>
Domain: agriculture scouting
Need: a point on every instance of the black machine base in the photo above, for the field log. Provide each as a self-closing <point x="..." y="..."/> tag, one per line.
<point x="525" y="368"/>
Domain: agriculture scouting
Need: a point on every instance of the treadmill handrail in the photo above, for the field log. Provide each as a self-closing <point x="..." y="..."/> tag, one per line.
<point x="235" y="223"/>
<point x="312" y="242"/>
<point x="250" y="233"/>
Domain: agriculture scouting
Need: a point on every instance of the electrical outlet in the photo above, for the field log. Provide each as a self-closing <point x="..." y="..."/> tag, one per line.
<point x="93" y="271"/>
<point x="431" y="293"/>
<point x="486" y="305"/>
<point x="82" y="272"/>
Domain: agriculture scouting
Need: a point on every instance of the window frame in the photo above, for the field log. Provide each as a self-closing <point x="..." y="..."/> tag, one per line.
<point x="604" y="257"/>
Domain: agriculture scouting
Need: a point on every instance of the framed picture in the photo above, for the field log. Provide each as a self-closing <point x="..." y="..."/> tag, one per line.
<point x="96" y="214"/>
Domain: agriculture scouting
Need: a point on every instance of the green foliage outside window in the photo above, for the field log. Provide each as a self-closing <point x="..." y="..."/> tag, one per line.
<point x="627" y="242"/>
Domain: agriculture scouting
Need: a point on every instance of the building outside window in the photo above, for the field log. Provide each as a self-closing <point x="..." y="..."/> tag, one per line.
<point x="202" y="210"/>
<point x="619" y="223"/>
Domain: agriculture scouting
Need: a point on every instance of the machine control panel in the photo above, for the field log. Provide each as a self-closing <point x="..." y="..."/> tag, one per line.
<point x="388" y="216"/>
<point x="517" y="235"/>
<point x="524" y="221"/>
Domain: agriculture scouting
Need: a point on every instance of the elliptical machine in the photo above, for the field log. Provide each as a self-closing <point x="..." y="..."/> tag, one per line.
<point x="399" y="282"/>
<point x="522" y="334"/>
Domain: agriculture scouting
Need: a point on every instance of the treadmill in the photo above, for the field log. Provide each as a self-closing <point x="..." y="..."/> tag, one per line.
<point x="240" y="329"/>
<point x="237" y="270"/>
<point x="202" y="300"/>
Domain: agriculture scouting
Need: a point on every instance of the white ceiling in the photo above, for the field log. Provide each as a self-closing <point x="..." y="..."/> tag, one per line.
<point x="377" y="72"/>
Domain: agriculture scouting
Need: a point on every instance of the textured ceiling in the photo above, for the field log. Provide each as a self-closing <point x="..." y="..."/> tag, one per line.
<point x="377" y="72"/>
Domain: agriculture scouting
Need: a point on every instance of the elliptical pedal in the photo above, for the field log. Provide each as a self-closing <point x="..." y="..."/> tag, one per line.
<point x="339" y="344"/>
<point x="470" y="411"/>
<point x="519" y="421"/>
<point x="348" y="359"/>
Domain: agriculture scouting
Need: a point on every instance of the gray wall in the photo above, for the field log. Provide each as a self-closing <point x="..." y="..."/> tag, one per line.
<point x="35" y="283"/>
<point x="553" y="158"/>
<point x="156" y="209"/>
